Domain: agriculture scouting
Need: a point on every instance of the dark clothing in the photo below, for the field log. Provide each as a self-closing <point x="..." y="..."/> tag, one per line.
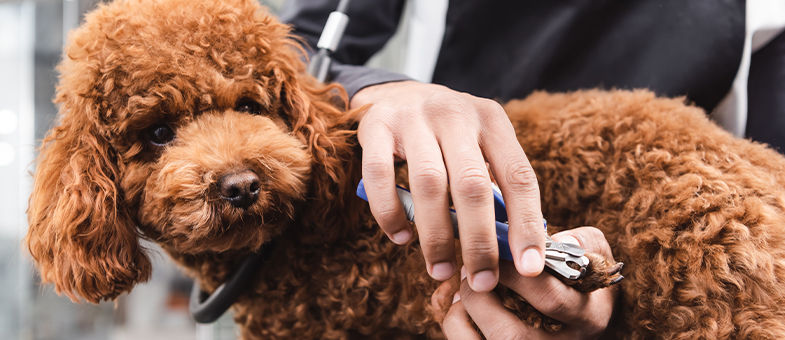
<point x="674" y="48"/>
<point x="371" y="24"/>
<point x="503" y="49"/>
<point x="766" y="94"/>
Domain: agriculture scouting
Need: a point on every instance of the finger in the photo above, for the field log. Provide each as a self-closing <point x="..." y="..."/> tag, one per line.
<point x="379" y="178"/>
<point x="518" y="183"/>
<point x="589" y="238"/>
<point x="495" y="321"/>
<point x="588" y="313"/>
<point x="443" y="296"/>
<point x="470" y="185"/>
<point x="428" y="181"/>
<point x="548" y="295"/>
<point x="457" y="324"/>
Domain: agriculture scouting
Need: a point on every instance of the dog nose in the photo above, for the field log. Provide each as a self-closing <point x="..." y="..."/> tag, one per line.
<point x="240" y="189"/>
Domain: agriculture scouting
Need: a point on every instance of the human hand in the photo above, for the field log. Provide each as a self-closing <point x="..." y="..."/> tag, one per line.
<point x="584" y="315"/>
<point x="446" y="135"/>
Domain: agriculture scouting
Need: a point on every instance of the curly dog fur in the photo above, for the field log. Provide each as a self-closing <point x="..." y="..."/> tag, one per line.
<point x="162" y="101"/>
<point x="697" y="216"/>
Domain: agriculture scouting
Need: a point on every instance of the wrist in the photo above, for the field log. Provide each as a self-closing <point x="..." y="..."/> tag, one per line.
<point x="375" y="93"/>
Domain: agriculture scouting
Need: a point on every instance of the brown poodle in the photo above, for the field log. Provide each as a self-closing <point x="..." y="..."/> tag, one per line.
<point x="191" y="123"/>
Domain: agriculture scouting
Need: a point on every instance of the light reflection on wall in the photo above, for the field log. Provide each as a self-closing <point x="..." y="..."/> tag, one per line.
<point x="8" y="124"/>
<point x="16" y="141"/>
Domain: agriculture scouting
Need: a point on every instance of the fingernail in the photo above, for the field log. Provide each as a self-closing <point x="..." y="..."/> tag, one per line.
<point x="484" y="281"/>
<point x="456" y="298"/>
<point x="463" y="272"/>
<point x="531" y="262"/>
<point x="569" y="239"/>
<point x="442" y="271"/>
<point x="401" y="237"/>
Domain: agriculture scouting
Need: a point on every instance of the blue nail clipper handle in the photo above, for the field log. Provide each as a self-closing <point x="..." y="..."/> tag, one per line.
<point x="501" y="216"/>
<point x="557" y="254"/>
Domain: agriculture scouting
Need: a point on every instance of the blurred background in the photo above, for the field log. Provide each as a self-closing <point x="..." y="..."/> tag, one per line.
<point x="32" y="33"/>
<point x="31" y="42"/>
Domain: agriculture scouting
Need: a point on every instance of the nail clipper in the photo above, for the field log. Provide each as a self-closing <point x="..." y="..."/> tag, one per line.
<point x="557" y="254"/>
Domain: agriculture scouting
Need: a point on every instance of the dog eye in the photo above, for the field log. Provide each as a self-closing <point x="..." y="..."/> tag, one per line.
<point x="160" y="134"/>
<point x="248" y="105"/>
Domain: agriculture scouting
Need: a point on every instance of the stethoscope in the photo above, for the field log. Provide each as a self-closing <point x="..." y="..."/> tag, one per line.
<point x="206" y="308"/>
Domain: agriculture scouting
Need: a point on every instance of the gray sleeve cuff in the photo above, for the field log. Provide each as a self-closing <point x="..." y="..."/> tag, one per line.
<point x="371" y="26"/>
<point x="355" y="78"/>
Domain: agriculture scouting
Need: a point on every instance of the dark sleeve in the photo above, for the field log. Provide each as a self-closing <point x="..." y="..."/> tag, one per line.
<point x="766" y="95"/>
<point x="371" y="24"/>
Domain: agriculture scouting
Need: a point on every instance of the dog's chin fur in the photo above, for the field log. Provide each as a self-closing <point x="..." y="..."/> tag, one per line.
<point x="181" y="203"/>
<point x="697" y="215"/>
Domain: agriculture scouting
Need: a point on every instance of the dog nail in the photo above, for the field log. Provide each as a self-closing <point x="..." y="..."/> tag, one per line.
<point x="616" y="269"/>
<point x="463" y="272"/>
<point x="442" y="271"/>
<point x="616" y="280"/>
<point x="456" y="298"/>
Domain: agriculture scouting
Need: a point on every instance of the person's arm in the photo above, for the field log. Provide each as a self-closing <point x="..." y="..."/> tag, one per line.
<point x="371" y="24"/>
<point x="766" y="95"/>
<point x="444" y="136"/>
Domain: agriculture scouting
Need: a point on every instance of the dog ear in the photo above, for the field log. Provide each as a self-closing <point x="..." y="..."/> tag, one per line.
<point x="318" y="115"/>
<point x="81" y="235"/>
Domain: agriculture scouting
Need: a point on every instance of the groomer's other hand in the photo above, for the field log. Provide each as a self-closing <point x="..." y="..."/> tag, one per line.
<point x="447" y="135"/>
<point x="585" y="315"/>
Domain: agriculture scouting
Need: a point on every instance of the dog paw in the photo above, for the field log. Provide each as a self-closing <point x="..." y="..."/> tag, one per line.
<point x="600" y="273"/>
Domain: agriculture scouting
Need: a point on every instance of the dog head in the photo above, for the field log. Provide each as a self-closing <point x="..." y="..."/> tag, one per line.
<point x="188" y="122"/>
